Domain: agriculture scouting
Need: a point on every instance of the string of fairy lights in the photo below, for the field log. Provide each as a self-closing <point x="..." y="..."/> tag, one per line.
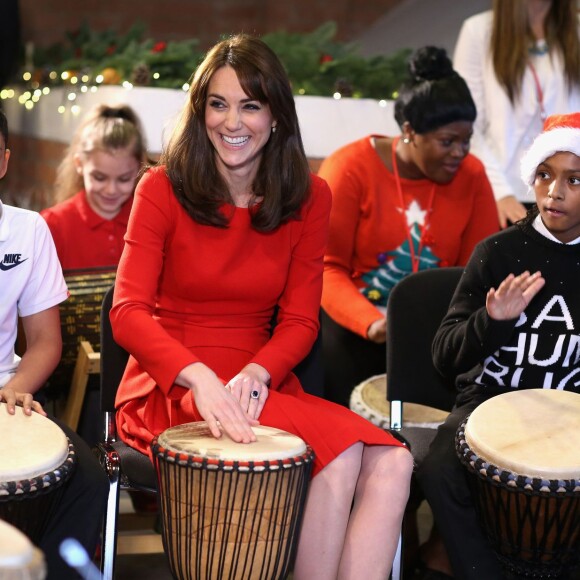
<point x="29" y="95"/>
<point x="31" y="91"/>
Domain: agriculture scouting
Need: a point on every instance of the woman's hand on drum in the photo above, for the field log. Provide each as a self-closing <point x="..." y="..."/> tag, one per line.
<point x="377" y="331"/>
<point x="250" y="388"/>
<point x="216" y="404"/>
<point x="513" y="295"/>
<point x="14" y="398"/>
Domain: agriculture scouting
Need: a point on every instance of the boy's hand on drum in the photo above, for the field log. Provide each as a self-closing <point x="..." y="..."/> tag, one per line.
<point x="14" y="398"/>
<point x="250" y="388"/>
<point x="513" y="295"/>
<point x="217" y="405"/>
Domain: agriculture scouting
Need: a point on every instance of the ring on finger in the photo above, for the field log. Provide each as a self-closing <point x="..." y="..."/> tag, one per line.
<point x="255" y="394"/>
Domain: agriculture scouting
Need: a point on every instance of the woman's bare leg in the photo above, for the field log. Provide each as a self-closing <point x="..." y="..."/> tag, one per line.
<point x="375" y="522"/>
<point x="326" y="517"/>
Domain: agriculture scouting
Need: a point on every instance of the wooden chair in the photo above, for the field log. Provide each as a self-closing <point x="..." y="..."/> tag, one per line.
<point x="88" y="363"/>
<point x="80" y="327"/>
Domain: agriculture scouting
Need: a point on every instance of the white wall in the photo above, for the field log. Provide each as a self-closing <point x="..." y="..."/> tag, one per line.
<point x="417" y="23"/>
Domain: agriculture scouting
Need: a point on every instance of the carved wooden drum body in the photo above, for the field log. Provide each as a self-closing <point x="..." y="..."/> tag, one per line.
<point x="522" y="454"/>
<point x="231" y="510"/>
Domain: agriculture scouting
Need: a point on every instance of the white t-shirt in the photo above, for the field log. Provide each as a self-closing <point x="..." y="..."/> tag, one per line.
<point x="31" y="278"/>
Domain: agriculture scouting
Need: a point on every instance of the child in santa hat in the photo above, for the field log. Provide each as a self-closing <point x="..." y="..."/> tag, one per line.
<point x="513" y="323"/>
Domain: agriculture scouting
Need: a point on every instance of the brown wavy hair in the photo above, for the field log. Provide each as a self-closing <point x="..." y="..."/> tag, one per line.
<point x="511" y="38"/>
<point x="283" y="177"/>
<point x="105" y="128"/>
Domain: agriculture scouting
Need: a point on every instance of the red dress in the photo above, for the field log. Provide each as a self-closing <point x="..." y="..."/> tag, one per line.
<point x="187" y="292"/>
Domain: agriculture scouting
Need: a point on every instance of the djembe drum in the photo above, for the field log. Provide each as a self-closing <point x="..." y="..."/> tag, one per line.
<point x="231" y="510"/>
<point x="19" y="558"/>
<point x="522" y="454"/>
<point x="36" y="460"/>
<point x="369" y="399"/>
<point x="80" y="317"/>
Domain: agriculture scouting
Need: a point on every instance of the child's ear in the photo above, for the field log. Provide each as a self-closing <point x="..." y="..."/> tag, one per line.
<point x="78" y="163"/>
<point x="4" y="163"/>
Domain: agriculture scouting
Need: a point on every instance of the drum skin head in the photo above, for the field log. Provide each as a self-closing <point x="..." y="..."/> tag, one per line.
<point x="196" y="439"/>
<point x="369" y="400"/>
<point x="533" y="432"/>
<point x="31" y="445"/>
<point x="15" y="548"/>
<point x="19" y="559"/>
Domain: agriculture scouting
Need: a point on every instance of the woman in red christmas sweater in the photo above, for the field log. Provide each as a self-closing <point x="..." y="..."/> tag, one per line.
<point x="399" y="205"/>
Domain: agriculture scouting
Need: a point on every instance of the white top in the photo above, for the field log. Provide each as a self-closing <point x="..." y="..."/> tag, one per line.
<point x="31" y="278"/>
<point x="32" y="445"/>
<point x="533" y="432"/>
<point x="196" y="439"/>
<point x="502" y="132"/>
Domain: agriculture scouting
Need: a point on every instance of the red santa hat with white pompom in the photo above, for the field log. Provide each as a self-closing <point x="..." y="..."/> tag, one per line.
<point x="561" y="133"/>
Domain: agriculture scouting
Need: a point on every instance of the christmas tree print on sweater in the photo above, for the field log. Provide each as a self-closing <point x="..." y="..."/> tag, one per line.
<point x="398" y="263"/>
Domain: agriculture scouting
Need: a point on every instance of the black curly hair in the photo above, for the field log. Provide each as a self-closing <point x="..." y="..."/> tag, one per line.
<point x="435" y="95"/>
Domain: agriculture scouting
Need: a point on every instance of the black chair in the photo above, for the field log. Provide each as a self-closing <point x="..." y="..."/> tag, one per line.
<point x="416" y="306"/>
<point x="127" y="468"/>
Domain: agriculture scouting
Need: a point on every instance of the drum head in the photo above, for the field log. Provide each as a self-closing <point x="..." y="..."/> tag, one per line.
<point x="31" y="445"/>
<point x="533" y="432"/>
<point x="16" y="550"/>
<point x="19" y="559"/>
<point x="196" y="439"/>
<point x="369" y="399"/>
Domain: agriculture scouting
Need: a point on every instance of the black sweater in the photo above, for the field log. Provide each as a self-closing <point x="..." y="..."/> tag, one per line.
<point x="541" y="349"/>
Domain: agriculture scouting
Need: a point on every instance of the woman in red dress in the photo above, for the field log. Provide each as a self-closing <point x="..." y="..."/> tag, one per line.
<point x="230" y="226"/>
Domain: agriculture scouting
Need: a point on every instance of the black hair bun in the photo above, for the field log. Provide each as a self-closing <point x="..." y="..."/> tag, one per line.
<point x="430" y="63"/>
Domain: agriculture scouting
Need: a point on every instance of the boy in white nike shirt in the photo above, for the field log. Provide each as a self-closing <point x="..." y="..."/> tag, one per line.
<point x="31" y="288"/>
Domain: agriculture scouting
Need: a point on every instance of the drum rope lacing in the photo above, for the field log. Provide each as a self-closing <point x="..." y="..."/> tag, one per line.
<point x="232" y="540"/>
<point x="42" y="483"/>
<point x="498" y="475"/>
<point x="532" y="523"/>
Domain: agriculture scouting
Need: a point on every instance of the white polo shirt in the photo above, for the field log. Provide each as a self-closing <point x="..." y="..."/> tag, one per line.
<point x="31" y="278"/>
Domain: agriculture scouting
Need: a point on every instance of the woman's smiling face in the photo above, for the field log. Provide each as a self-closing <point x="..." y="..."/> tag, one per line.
<point x="238" y="126"/>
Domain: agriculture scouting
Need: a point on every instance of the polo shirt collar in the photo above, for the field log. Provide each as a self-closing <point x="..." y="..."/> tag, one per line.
<point x="94" y="220"/>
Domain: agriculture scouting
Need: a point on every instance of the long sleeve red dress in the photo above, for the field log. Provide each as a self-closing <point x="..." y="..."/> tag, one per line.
<point x="188" y="292"/>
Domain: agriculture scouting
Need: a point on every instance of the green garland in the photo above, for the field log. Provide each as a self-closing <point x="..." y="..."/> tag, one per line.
<point x="316" y="63"/>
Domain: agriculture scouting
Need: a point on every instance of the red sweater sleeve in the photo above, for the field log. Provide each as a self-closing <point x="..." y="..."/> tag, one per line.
<point x="341" y="298"/>
<point x="134" y="326"/>
<point x="299" y="304"/>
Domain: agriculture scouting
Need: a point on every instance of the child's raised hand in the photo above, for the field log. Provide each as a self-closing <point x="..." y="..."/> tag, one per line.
<point x="513" y="295"/>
